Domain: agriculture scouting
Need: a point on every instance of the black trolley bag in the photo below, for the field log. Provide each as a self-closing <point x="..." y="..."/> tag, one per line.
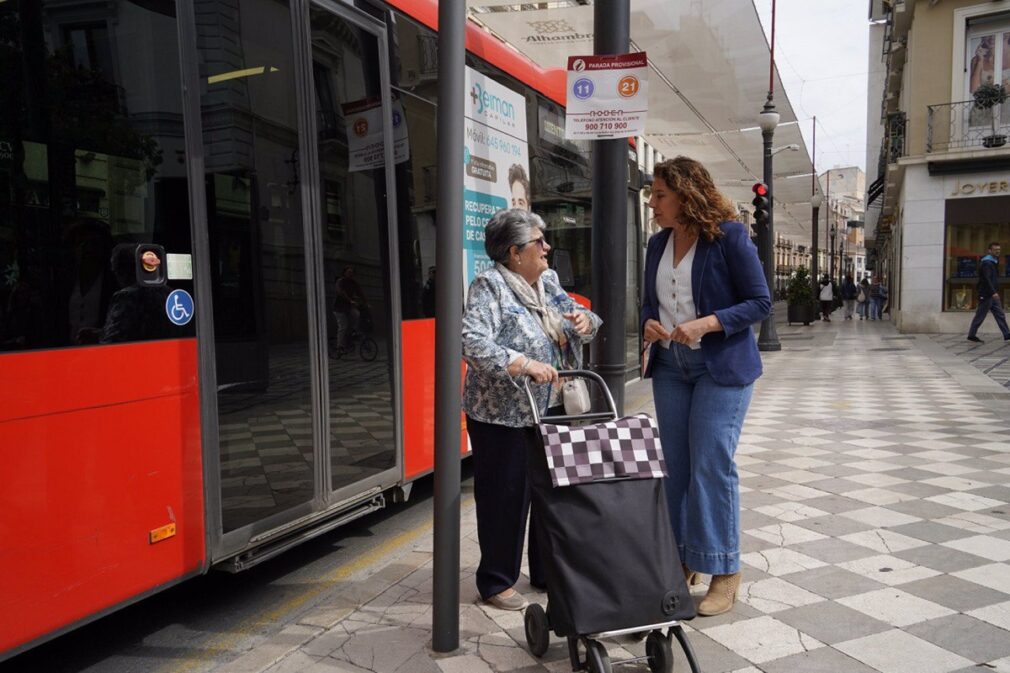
<point x="603" y="529"/>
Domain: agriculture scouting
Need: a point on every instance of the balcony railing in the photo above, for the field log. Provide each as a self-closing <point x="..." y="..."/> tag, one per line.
<point x="895" y="129"/>
<point x="964" y="126"/>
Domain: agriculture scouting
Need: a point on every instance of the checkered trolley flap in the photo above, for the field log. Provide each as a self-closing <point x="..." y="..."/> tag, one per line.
<point x="625" y="448"/>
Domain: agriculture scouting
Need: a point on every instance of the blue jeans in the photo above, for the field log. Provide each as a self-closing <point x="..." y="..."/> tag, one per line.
<point x="876" y="308"/>
<point x="699" y="426"/>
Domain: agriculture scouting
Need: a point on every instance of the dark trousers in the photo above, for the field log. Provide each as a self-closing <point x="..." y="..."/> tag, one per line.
<point x="826" y="308"/>
<point x="985" y="306"/>
<point x="502" y="496"/>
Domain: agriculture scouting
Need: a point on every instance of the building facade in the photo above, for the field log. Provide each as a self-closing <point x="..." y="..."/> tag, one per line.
<point x="940" y="192"/>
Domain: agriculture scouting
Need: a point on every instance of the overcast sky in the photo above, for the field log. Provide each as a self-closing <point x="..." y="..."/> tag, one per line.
<point x="821" y="54"/>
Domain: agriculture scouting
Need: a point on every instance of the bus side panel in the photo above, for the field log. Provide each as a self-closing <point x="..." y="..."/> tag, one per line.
<point x="99" y="446"/>
<point x="418" y="339"/>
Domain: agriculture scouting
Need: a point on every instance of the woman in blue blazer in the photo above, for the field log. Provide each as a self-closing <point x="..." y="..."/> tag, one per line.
<point x="704" y="289"/>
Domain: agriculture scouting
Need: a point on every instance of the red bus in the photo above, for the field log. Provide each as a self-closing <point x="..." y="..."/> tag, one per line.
<point x="182" y="382"/>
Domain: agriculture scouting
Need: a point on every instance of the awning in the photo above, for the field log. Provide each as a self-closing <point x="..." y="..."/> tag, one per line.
<point x="708" y="83"/>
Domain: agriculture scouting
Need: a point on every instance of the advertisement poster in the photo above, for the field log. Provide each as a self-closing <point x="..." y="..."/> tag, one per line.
<point x="364" y="134"/>
<point x="608" y="96"/>
<point x="495" y="163"/>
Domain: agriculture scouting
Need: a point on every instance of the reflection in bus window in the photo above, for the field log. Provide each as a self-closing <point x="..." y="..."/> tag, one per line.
<point x="90" y="157"/>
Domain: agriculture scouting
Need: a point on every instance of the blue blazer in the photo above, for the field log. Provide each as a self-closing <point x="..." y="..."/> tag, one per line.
<point x="727" y="280"/>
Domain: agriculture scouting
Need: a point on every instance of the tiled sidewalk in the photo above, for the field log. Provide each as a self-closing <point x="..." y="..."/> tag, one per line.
<point x="874" y="469"/>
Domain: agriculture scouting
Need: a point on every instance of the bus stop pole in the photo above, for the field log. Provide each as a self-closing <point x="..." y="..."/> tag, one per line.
<point x="448" y="325"/>
<point x="611" y="27"/>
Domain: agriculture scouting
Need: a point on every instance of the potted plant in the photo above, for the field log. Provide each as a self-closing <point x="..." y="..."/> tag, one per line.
<point x="987" y="96"/>
<point x="802" y="306"/>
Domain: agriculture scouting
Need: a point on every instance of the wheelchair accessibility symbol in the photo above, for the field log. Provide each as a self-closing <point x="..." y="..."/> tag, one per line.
<point x="179" y="307"/>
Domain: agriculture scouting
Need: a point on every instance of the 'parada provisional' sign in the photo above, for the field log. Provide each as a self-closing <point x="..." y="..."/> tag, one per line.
<point x="608" y="96"/>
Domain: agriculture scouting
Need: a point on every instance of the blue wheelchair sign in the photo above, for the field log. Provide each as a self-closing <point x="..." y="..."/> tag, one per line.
<point x="179" y="307"/>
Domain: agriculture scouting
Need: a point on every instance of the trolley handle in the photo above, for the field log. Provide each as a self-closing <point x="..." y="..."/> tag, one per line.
<point x="561" y="420"/>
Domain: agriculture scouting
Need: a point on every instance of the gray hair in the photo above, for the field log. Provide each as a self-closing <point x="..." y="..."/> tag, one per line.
<point x="507" y="228"/>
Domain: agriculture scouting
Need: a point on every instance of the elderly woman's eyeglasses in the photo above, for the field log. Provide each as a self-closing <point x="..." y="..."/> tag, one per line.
<point x="541" y="242"/>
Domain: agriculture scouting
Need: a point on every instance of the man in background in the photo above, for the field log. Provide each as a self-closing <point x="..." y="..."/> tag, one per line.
<point x="988" y="295"/>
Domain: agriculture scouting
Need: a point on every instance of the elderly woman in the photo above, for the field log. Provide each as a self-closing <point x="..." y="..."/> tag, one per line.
<point x="518" y="322"/>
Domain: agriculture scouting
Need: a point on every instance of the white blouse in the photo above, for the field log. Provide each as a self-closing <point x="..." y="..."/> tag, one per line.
<point x="673" y="288"/>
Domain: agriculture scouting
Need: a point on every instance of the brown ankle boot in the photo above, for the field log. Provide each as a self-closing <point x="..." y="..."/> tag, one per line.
<point x="721" y="595"/>
<point x="690" y="576"/>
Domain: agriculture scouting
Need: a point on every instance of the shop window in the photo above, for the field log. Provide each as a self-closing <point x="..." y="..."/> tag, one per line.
<point x="972" y="225"/>
<point x="83" y="183"/>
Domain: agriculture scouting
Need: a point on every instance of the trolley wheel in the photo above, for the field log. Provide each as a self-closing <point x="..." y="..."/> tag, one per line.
<point x="657" y="648"/>
<point x="597" y="657"/>
<point x="538" y="633"/>
<point x="368" y="350"/>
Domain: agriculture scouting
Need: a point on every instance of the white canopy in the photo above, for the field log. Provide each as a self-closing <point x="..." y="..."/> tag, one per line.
<point x="708" y="82"/>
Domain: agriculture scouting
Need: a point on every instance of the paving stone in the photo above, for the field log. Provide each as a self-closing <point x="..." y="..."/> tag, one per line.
<point x="895" y="606"/>
<point x="833" y="582"/>
<point x="966" y="636"/>
<point x="954" y="593"/>
<point x="833" y="550"/>
<point x="929" y="531"/>
<point x="831" y="622"/>
<point x="834" y="526"/>
<point x="821" y="660"/>
<point x="896" y="651"/>
<point x="762" y="639"/>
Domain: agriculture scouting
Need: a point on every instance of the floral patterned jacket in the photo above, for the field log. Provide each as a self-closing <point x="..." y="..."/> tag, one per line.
<point x="497" y="328"/>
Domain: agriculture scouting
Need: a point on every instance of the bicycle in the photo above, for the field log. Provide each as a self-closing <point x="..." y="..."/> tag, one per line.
<point x="367" y="349"/>
<point x="358" y="339"/>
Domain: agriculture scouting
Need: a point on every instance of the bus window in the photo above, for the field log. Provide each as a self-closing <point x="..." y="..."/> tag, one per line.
<point x="91" y="157"/>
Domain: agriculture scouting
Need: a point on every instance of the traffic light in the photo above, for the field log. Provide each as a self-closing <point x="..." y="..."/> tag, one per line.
<point x="761" y="203"/>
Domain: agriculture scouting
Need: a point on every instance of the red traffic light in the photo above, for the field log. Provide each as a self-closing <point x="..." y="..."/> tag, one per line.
<point x="760" y="189"/>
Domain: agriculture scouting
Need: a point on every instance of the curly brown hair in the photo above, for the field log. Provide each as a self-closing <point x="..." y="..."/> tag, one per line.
<point x="703" y="207"/>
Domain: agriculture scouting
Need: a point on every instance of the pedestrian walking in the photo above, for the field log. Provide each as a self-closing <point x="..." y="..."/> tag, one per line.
<point x="849" y="295"/>
<point x="704" y="289"/>
<point x="878" y="294"/>
<point x="863" y="298"/>
<point x="827" y="298"/>
<point x="518" y="322"/>
<point x="988" y="295"/>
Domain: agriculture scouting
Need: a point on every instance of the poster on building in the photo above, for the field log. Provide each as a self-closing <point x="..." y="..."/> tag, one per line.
<point x="495" y="163"/>
<point x="608" y="96"/>
<point x="364" y="134"/>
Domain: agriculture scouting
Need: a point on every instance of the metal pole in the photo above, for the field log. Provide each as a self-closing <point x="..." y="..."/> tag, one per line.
<point x="768" y="339"/>
<point x="816" y="223"/>
<point x="827" y="224"/>
<point x="814" y="262"/>
<point x="448" y="327"/>
<point x="612" y="30"/>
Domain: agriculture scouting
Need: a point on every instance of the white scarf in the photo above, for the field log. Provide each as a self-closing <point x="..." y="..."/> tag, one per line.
<point x="534" y="298"/>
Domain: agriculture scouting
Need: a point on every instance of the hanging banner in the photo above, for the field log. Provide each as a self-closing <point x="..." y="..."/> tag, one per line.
<point x="608" y="96"/>
<point x="495" y="163"/>
<point x="364" y="134"/>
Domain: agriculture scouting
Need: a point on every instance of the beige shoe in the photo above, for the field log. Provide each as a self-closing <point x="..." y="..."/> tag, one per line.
<point x="721" y="595"/>
<point x="690" y="576"/>
<point x="510" y="599"/>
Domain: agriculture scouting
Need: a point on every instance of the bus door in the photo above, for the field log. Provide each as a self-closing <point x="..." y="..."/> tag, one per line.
<point x="354" y="236"/>
<point x="298" y="159"/>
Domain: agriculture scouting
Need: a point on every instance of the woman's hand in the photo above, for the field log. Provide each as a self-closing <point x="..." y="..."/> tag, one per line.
<point x="654" y="331"/>
<point x="541" y="372"/>
<point x="580" y="321"/>
<point x="536" y="370"/>
<point x="690" y="332"/>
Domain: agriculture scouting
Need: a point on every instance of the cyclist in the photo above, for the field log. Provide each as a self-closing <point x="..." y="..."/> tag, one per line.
<point x="348" y="306"/>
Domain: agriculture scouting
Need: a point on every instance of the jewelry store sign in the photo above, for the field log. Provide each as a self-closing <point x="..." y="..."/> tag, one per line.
<point x="982" y="187"/>
<point x="608" y="96"/>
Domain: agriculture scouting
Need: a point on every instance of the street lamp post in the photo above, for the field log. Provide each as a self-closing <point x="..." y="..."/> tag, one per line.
<point x="815" y="204"/>
<point x="768" y="339"/>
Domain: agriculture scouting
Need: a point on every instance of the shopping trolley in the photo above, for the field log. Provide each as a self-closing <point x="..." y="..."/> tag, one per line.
<point x="603" y="528"/>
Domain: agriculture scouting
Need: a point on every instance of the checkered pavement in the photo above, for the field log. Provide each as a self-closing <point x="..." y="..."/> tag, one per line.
<point x="876" y="531"/>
